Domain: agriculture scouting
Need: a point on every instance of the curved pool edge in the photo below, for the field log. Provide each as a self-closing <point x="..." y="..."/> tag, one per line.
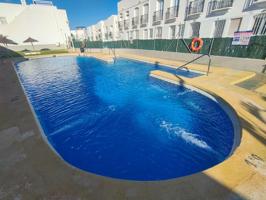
<point x="44" y="137"/>
<point x="229" y="110"/>
<point x="225" y="106"/>
<point x="214" y="183"/>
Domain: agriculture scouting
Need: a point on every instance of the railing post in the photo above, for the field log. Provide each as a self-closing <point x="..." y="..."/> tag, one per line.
<point x="186" y="45"/>
<point x="209" y="55"/>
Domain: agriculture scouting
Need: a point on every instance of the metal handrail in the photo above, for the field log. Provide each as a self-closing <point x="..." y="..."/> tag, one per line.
<point x="144" y="19"/>
<point x="158" y="16"/>
<point x="135" y="21"/>
<point x="114" y="52"/>
<point x="126" y="24"/>
<point x="220" y="4"/>
<point x="195" y="59"/>
<point x="195" y="7"/>
<point x="171" y="12"/>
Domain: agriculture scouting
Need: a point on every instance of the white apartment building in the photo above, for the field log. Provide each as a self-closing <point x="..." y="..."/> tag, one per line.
<point x="168" y="19"/>
<point x="80" y="33"/>
<point x="111" y="29"/>
<point x="106" y="30"/>
<point x="40" y="20"/>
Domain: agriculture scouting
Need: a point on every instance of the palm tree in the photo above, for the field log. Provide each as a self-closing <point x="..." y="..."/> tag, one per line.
<point x="4" y="40"/>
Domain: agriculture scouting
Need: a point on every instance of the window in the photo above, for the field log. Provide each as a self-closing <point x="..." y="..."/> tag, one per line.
<point x="127" y="14"/>
<point x="172" y="32"/>
<point x="195" y="29"/>
<point x="151" y="33"/>
<point x="219" y="28"/>
<point x="136" y="12"/>
<point x="181" y="30"/>
<point x="3" y="20"/>
<point x="174" y="3"/>
<point x="259" y="27"/>
<point x="136" y="34"/>
<point x="145" y="34"/>
<point x="159" y="31"/>
<point x="146" y="9"/>
<point x="234" y="26"/>
<point x="159" y="4"/>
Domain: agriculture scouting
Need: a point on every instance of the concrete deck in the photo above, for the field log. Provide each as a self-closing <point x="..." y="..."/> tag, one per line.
<point x="29" y="169"/>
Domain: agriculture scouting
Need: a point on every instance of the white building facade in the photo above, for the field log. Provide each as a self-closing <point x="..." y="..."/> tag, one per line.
<point x="80" y="33"/>
<point x="169" y="19"/>
<point x="41" y="21"/>
<point x="105" y="30"/>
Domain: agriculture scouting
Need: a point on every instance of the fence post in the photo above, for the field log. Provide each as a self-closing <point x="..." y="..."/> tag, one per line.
<point x="176" y="47"/>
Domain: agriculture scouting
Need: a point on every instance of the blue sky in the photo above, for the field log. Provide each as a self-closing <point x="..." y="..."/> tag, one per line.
<point x="83" y="12"/>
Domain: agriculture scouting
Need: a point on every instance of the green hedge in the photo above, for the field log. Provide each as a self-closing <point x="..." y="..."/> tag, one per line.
<point x="221" y="46"/>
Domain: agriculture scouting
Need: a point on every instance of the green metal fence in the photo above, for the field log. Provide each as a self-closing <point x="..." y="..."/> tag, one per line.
<point x="221" y="46"/>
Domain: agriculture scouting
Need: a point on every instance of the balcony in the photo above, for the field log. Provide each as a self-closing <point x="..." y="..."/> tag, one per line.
<point x="252" y="2"/>
<point x="255" y="4"/>
<point x="106" y="36"/>
<point x="219" y="5"/>
<point x="195" y="7"/>
<point x="126" y="24"/>
<point x="144" y="20"/>
<point x="157" y="16"/>
<point x="120" y="25"/>
<point x="135" y="22"/>
<point x="171" y="13"/>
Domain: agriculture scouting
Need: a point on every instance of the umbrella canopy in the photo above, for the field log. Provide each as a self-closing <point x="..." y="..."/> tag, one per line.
<point x="30" y="40"/>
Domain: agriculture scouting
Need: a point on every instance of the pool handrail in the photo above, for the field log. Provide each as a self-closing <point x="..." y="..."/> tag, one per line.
<point x="199" y="57"/>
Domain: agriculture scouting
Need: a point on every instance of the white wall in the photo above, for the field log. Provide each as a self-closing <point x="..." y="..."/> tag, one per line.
<point x="206" y="18"/>
<point x="47" y="24"/>
<point x="80" y="33"/>
<point x="105" y="30"/>
<point x="130" y="5"/>
<point x="111" y="28"/>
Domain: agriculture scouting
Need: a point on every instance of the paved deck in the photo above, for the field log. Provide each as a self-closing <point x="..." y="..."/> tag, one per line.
<point x="29" y="169"/>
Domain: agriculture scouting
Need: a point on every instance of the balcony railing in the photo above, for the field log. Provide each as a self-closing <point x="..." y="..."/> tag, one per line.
<point x="135" y="22"/>
<point x="144" y="19"/>
<point x="158" y="16"/>
<point x="171" y="13"/>
<point x="220" y="4"/>
<point x="195" y="7"/>
<point x="250" y="3"/>
<point x="126" y="24"/>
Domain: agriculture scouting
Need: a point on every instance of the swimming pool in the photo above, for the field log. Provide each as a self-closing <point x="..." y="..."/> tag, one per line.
<point x="116" y="121"/>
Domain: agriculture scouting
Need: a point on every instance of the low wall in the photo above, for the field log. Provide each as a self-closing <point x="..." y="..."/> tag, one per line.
<point x="247" y="64"/>
<point x="36" y="47"/>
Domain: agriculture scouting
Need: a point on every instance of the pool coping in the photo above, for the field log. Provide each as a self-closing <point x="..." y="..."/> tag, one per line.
<point x="234" y="174"/>
<point x="222" y="103"/>
<point x="190" y="82"/>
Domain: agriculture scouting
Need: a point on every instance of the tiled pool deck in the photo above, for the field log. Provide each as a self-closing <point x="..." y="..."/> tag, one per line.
<point x="30" y="170"/>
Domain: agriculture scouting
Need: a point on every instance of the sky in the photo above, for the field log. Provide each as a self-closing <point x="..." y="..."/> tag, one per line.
<point x="83" y="12"/>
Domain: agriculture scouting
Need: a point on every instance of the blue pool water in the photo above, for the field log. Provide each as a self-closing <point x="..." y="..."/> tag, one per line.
<point x="116" y="121"/>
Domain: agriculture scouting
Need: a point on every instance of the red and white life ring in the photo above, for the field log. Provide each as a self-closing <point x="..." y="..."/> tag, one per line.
<point x="199" y="45"/>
